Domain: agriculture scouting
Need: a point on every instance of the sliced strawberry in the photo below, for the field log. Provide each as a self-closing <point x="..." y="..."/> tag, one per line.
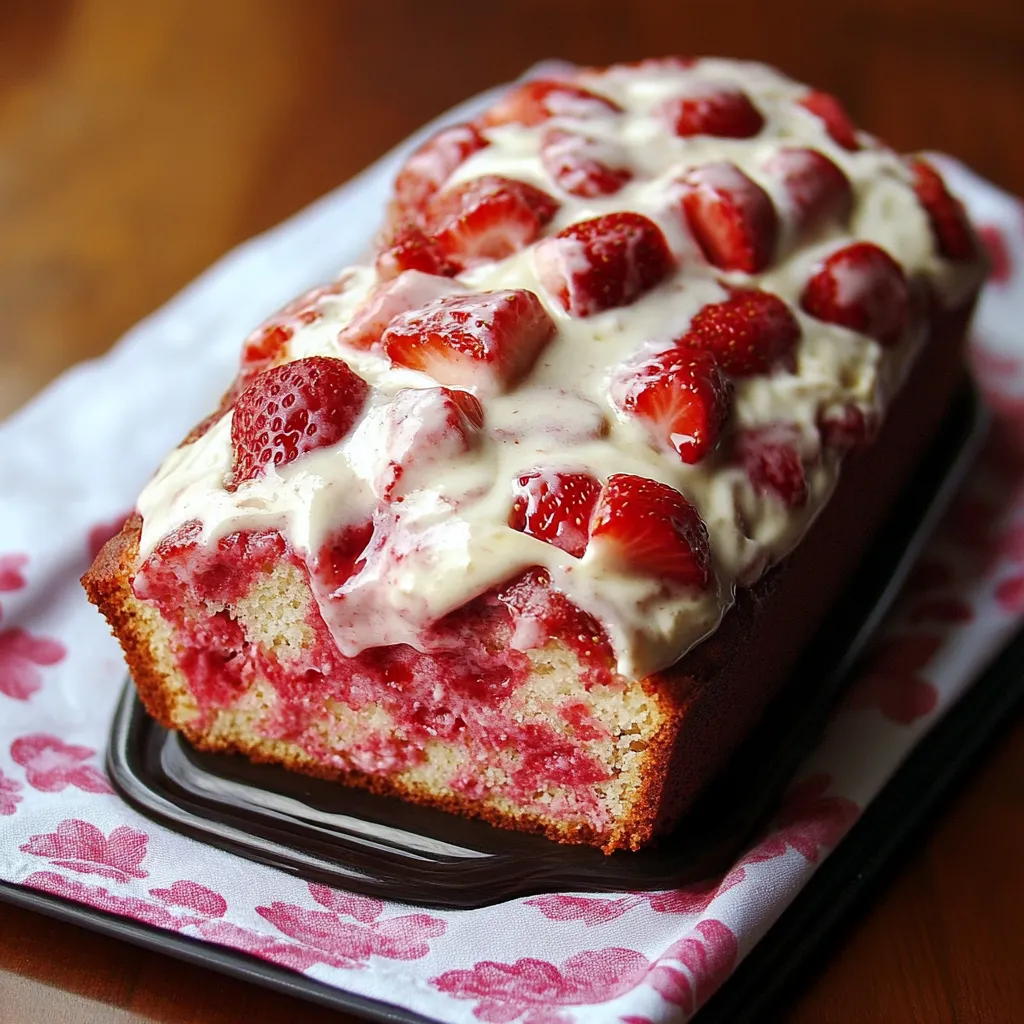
<point x="555" y="507"/>
<point x="861" y="287"/>
<point x="425" y="426"/>
<point x="946" y="214"/>
<point x="265" y="346"/>
<point x="681" y="397"/>
<point x="534" y="102"/>
<point x="709" y="109"/>
<point x="846" y="426"/>
<point x="489" y="340"/>
<point x="410" y="290"/>
<point x="818" y="190"/>
<point x="342" y="555"/>
<point x="488" y="218"/>
<point x="408" y="248"/>
<point x="749" y="333"/>
<point x="833" y="115"/>
<point x="732" y="217"/>
<point x="773" y="462"/>
<point x="292" y="409"/>
<point x="583" y="165"/>
<point x="652" y="529"/>
<point x="432" y="165"/>
<point x="268" y="343"/>
<point x="603" y="263"/>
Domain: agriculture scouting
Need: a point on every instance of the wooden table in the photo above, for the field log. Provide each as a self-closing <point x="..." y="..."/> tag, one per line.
<point x="139" y="141"/>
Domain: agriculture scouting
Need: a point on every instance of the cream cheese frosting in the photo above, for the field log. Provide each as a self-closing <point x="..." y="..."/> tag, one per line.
<point x="448" y="540"/>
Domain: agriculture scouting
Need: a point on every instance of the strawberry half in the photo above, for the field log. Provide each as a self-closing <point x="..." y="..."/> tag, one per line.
<point x="603" y="263"/>
<point x="488" y="218"/>
<point x="432" y="165"/>
<point x="652" y="529"/>
<point x="410" y="249"/>
<point x="732" y="218"/>
<point x="268" y="343"/>
<point x="681" y="397"/>
<point x="828" y="110"/>
<point x="534" y="102"/>
<point x="582" y="165"/>
<point x="722" y="111"/>
<point x="861" y="287"/>
<point x="425" y="426"/>
<point x="555" y="507"/>
<point x="946" y="214"/>
<point x="292" y="409"/>
<point x="773" y="463"/>
<point x="410" y="290"/>
<point x="818" y="190"/>
<point x="488" y="340"/>
<point x="749" y="333"/>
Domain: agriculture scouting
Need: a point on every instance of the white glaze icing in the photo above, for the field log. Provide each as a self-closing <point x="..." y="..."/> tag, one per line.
<point x="447" y="540"/>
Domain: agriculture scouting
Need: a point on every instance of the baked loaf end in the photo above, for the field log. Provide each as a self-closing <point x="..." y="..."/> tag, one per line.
<point x="530" y="519"/>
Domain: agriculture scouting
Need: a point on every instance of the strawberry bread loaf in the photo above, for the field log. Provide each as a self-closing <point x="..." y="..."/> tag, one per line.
<point x="529" y="517"/>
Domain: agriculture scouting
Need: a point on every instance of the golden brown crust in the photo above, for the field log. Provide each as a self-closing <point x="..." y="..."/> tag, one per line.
<point x="711" y="699"/>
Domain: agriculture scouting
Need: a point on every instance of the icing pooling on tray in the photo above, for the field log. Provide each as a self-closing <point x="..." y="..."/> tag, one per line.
<point x="444" y="537"/>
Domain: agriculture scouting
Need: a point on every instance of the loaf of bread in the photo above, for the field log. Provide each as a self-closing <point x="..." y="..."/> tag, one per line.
<point x="529" y="517"/>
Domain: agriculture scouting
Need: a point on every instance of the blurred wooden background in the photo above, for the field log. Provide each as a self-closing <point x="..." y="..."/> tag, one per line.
<point x="140" y="139"/>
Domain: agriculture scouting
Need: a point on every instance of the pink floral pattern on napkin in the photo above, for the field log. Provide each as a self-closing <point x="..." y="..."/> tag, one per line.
<point x="21" y="656"/>
<point x="80" y="846"/>
<point x="553" y="958"/>
<point x="52" y="765"/>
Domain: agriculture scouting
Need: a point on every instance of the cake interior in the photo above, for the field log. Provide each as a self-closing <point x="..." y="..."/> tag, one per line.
<point x="550" y="737"/>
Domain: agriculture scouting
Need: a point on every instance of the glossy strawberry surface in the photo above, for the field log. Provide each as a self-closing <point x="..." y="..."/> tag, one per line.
<point x="293" y="409"/>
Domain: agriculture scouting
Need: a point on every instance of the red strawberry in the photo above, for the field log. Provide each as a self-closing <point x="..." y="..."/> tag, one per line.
<point x="818" y="190"/>
<point x="832" y="113"/>
<point x="845" y="426"/>
<point x="292" y="409"/>
<point x="603" y="263"/>
<point x="432" y="165"/>
<point x="749" y="333"/>
<point x="489" y="340"/>
<point x="555" y="507"/>
<point x="945" y="213"/>
<point x="341" y="556"/>
<point x="773" y="462"/>
<point x="488" y="218"/>
<point x="680" y="396"/>
<point x="265" y="346"/>
<point x="582" y="165"/>
<point x="710" y="109"/>
<point x="268" y="343"/>
<point x="652" y="529"/>
<point x="425" y="426"/>
<point x="732" y="217"/>
<point x="536" y="101"/>
<point x="410" y="249"/>
<point x="409" y="290"/>
<point x="861" y="287"/>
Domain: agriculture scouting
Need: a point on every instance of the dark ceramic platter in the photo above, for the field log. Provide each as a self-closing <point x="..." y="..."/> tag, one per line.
<point x="355" y="840"/>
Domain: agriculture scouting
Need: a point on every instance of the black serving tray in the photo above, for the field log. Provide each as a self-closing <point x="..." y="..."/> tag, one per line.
<point x="355" y="840"/>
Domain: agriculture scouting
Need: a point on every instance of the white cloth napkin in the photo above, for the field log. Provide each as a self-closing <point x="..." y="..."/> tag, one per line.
<point x="71" y="464"/>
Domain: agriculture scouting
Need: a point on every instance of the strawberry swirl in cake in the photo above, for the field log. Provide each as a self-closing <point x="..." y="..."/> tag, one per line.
<point x="466" y="509"/>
